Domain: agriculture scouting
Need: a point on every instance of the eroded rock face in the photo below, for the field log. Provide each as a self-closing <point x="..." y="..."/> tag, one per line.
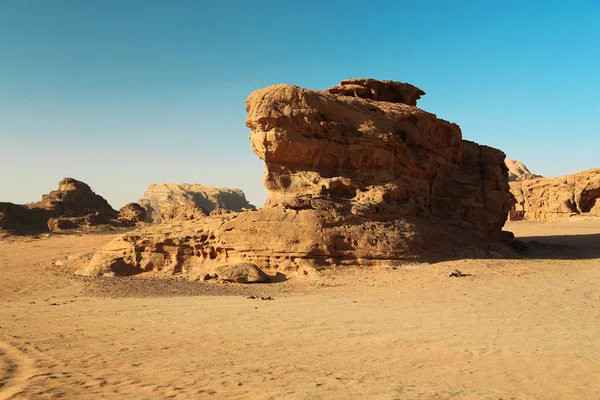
<point x="73" y="205"/>
<point x="544" y="199"/>
<point x="160" y="197"/>
<point x="188" y="212"/>
<point x="517" y="171"/>
<point x="351" y="180"/>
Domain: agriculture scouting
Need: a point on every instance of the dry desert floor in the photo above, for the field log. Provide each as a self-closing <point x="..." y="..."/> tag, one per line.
<point x="526" y="328"/>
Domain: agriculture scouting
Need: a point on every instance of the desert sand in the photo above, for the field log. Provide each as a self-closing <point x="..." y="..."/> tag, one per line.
<point x="524" y="328"/>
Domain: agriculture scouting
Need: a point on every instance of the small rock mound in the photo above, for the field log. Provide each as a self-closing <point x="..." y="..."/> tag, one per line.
<point x="241" y="273"/>
<point x="132" y="212"/>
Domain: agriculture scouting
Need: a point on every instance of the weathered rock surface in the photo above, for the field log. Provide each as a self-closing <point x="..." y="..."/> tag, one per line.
<point x="545" y="199"/>
<point x="241" y="273"/>
<point x="160" y="197"/>
<point x="132" y="212"/>
<point x="187" y="212"/>
<point x="73" y="205"/>
<point x="351" y="180"/>
<point x="517" y="171"/>
<point x="373" y="89"/>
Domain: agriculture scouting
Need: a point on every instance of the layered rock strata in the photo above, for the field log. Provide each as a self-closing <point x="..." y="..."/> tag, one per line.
<point x="355" y="177"/>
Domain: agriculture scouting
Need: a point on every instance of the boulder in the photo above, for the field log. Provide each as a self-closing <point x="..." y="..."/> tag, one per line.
<point x="132" y="212"/>
<point x="159" y="197"/>
<point x="241" y="273"/>
<point x="352" y="180"/>
<point x="543" y="199"/>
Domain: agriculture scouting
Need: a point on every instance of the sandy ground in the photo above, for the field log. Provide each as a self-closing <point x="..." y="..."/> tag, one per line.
<point x="513" y="329"/>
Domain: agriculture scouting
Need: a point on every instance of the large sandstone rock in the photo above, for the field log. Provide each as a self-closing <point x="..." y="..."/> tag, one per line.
<point x="73" y="205"/>
<point x="351" y="180"/>
<point x="517" y="171"/>
<point x="160" y="197"/>
<point x="545" y="199"/>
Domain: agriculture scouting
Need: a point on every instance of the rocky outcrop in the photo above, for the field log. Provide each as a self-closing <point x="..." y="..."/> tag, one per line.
<point x="517" y="171"/>
<point x="159" y="197"/>
<point x="352" y="181"/>
<point x="545" y="199"/>
<point x="73" y="205"/>
<point x="18" y="218"/>
<point x="372" y="89"/>
<point x="132" y="212"/>
<point x="188" y="212"/>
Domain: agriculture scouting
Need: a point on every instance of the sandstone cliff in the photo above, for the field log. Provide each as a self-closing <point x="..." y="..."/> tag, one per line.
<point x="355" y="177"/>
<point x="161" y="198"/>
<point x="551" y="198"/>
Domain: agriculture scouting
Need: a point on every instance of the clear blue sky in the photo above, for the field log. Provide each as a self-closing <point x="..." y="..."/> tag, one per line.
<point x="124" y="93"/>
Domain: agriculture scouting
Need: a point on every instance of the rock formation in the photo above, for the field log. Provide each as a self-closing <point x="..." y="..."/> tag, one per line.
<point x="132" y="212"/>
<point x="160" y="197"/>
<point x="356" y="174"/>
<point x="372" y="89"/>
<point x="188" y="212"/>
<point x="517" y="171"/>
<point x="545" y="199"/>
<point x="73" y="205"/>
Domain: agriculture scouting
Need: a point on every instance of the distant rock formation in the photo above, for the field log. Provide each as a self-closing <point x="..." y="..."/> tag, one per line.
<point x="132" y="212"/>
<point x="517" y="171"/>
<point x="545" y="199"/>
<point x="159" y="197"/>
<point x="73" y="205"/>
<point x="179" y="213"/>
<point x="356" y="176"/>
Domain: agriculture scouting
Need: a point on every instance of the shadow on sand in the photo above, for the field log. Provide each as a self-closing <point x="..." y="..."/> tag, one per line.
<point x="560" y="247"/>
